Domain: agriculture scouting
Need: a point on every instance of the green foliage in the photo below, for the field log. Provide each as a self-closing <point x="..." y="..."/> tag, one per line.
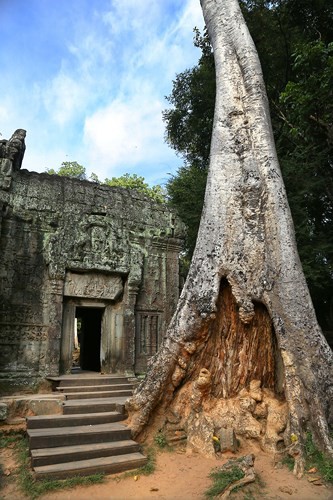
<point x="127" y="181"/>
<point x="306" y="152"/>
<point x="10" y="439"/>
<point x="161" y="440"/>
<point x="69" y="169"/>
<point x="289" y="462"/>
<point x="134" y="181"/>
<point x="186" y="192"/>
<point x="315" y="458"/>
<point x="222" y="479"/>
<point x="189" y="121"/>
<point x="148" y="468"/>
<point x="94" y="178"/>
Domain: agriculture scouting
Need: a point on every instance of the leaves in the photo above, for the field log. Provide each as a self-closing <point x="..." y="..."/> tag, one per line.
<point x="134" y="181"/>
<point x="69" y="169"/>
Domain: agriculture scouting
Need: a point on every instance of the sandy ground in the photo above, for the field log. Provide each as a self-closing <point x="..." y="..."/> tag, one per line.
<point x="179" y="476"/>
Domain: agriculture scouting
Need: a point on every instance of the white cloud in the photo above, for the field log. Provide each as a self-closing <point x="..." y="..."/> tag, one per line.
<point x="100" y="99"/>
<point x="128" y="132"/>
<point x="63" y="98"/>
<point x="124" y="133"/>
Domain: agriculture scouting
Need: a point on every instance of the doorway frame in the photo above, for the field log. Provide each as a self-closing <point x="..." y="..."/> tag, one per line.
<point x="111" y="332"/>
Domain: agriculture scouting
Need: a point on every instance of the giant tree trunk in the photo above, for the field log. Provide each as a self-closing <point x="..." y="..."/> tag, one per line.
<point x="245" y="315"/>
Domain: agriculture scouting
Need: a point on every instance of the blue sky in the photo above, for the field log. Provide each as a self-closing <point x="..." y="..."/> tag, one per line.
<point x="88" y="80"/>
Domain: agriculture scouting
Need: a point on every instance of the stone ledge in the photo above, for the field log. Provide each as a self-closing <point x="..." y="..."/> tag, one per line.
<point x="15" y="409"/>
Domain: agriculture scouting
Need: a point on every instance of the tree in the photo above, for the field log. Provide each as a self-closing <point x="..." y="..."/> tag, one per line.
<point x="244" y="348"/>
<point x="297" y="71"/>
<point x="69" y="169"/>
<point x="186" y="194"/>
<point x="137" y="182"/>
<point x="306" y="152"/>
<point x="127" y="181"/>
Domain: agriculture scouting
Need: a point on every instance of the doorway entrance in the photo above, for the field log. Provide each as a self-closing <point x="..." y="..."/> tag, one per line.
<point x="92" y="336"/>
<point x="89" y="327"/>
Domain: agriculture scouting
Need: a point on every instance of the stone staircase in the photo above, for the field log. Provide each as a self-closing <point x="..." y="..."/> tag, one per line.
<point x="89" y="437"/>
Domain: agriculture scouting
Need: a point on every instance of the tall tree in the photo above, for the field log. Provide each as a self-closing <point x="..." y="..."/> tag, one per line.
<point x="244" y="335"/>
<point x="297" y="71"/>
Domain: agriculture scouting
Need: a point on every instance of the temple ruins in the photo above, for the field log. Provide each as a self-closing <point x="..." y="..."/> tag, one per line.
<point x="89" y="274"/>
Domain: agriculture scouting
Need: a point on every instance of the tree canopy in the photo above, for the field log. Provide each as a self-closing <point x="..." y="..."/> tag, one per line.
<point x="293" y="41"/>
<point x="137" y="182"/>
<point x="69" y="169"/>
<point x="127" y="181"/>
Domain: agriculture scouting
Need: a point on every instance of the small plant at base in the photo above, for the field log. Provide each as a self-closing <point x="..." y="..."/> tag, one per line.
<point x="145" y="470"/>
<point x="315" y="458"/>
<point x="288" y="461"/>
<point x="10" y="439"/>
<point x="161" y="440"/>
<point x="222" y="479"/>
<point x="249" y="496"/>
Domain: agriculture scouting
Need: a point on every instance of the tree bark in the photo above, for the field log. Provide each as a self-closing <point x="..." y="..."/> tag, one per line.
<point x="245" y="312"/>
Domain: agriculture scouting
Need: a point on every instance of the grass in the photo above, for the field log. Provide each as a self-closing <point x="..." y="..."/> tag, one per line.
<point x="33" y="488"/>
<point x="28" y="484"/>
<point x="9" y="439"/>
<point x="288" y="461"/>
<point x="222" y="479"/>
<point x="147" y="469"/>
<point x="315" y="458"/>
<point x="150" y="466"/>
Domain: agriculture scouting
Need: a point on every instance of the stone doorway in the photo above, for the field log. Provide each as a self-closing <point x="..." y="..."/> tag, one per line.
<point x="100" y="336"/>
<point x="84" y="327"/>
<point x="87" y="338"/>
<point x="93" y="301"/>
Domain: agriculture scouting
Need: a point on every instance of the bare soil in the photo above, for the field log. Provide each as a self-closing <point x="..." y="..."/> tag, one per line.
<point x="180" y="476"/>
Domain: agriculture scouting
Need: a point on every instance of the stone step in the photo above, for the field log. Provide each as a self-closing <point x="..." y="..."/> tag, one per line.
<point x="97" y="388"/>
<point x="110" y="465"/>
<point x="62" y="454"/>
<point x="95" y="395"/>
<point x="47" y="421"/>
<point x="77" y="380"/>
<point x="94" y="405"/>
<point x="80" y="434"/>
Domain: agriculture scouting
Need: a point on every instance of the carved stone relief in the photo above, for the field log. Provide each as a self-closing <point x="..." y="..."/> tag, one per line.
<point x="93" y="286"/>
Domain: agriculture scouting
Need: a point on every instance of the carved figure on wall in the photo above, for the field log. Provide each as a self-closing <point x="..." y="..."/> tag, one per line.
<point x="14" y="148"/>
<point x="11" y="156"/>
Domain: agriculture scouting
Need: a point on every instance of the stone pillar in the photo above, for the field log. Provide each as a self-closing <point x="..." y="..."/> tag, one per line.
<point x="174" y="246"/>
<point x="67" y="337"/>
<point x="54" y="311"/>
<point x="129" y="328"/>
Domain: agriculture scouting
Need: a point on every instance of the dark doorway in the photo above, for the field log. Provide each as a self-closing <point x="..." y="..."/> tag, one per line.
<point x="89" y="321"/>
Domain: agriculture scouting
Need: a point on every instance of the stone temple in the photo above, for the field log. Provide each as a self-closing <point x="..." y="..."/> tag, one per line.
<point x="89" y="274"/>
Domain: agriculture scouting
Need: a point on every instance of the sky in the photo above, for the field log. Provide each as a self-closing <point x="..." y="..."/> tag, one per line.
<point x="87" y="79"/>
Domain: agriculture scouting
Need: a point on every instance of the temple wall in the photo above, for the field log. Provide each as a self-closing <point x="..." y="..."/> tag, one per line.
<point x="66" y="243"/>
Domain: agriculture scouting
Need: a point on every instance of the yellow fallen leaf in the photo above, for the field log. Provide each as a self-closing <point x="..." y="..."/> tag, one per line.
<point x="311" y="471"/>
<point x="313" y="479"/>
<point x="136" y="478"/>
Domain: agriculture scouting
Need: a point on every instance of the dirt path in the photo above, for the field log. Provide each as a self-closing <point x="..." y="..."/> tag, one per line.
<point x="181" y="476"/>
